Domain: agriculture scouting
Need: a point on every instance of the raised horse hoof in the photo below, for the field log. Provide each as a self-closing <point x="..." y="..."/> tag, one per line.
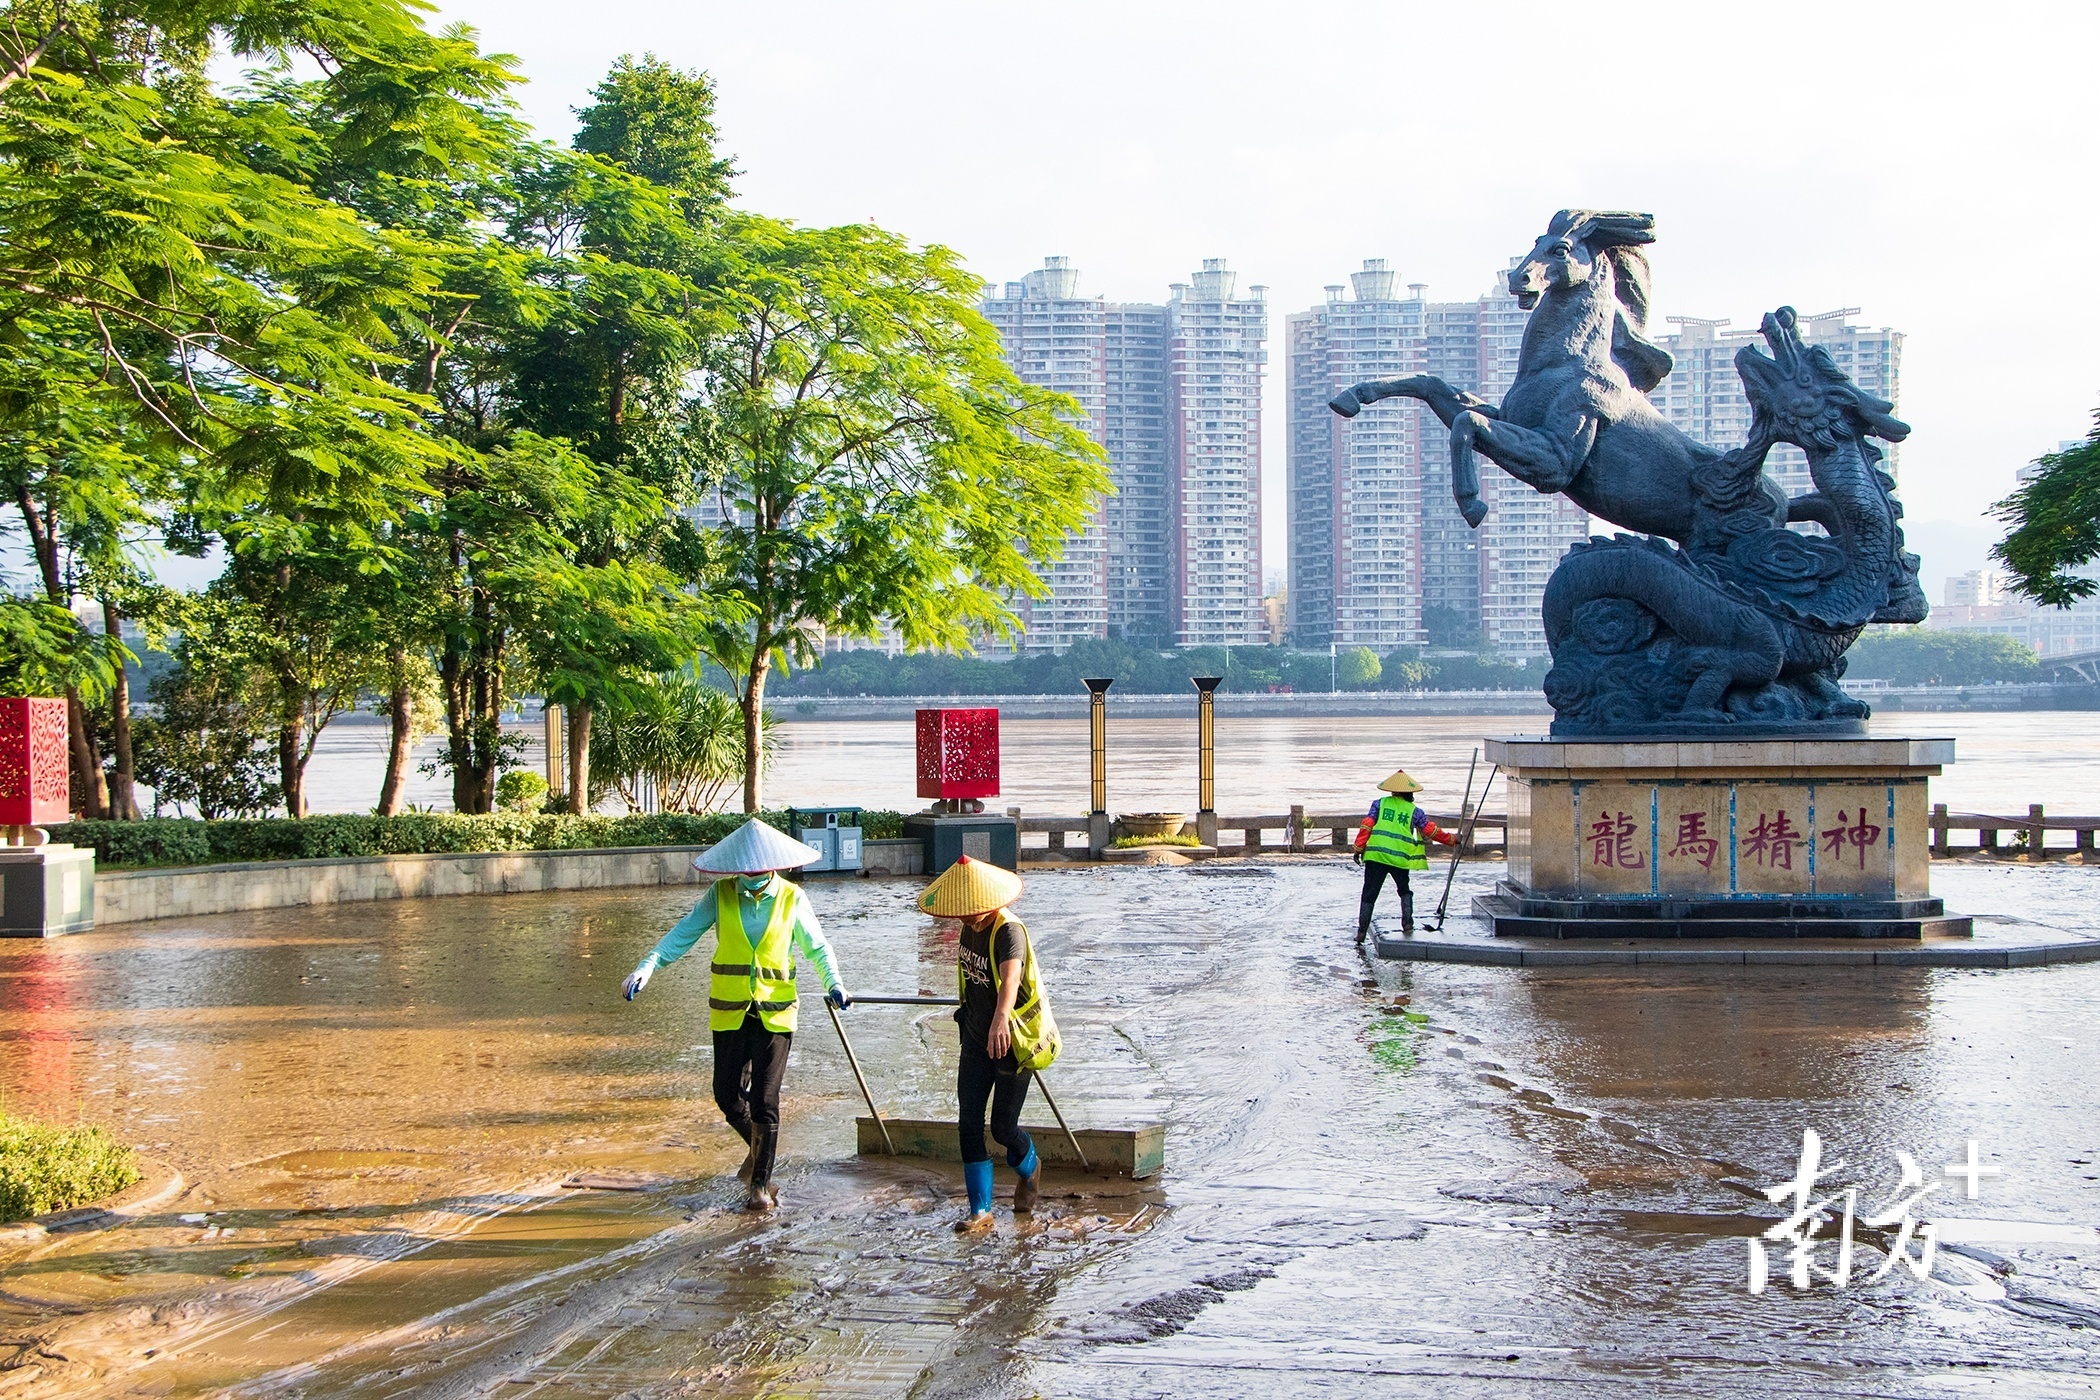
<point x="1346" y="403"/>
<point x="975" y="1223"/>
<point x="1474" y="510"/>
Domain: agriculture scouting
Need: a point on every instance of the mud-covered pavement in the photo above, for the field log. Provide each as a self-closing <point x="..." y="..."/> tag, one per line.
<point x="1392" y="1180"/>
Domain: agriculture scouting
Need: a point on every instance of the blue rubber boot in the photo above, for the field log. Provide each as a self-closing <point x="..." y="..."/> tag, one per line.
<point x="977" y="1181"/>
<point x="1029" y="1186"/>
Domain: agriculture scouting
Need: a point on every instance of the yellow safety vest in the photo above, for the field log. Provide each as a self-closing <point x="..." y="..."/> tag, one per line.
<point x="1034" y="1030"/>
<point x="743" y="976"/>
<point x="1394" y="840"/>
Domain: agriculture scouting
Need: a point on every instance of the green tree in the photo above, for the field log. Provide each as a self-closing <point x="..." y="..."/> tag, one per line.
<point x="658" y="122"/>
<point x="626" y="227"/>
<point x="207" y="742"/>
<point x="881" y="465"/>
<point x="1916" y="656"/>
<point x="2055" y="519"/>
<point x="1359" y="669"/>
<point x="178" y="299"/>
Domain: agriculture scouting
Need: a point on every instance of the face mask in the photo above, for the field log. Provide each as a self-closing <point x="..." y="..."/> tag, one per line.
<point x="754" y="884"/>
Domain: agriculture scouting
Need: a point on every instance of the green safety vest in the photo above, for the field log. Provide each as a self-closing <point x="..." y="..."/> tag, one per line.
<point x="743" y="976"/>
<point x="1394" y="840"/>
<point x="1034" y="1029"/>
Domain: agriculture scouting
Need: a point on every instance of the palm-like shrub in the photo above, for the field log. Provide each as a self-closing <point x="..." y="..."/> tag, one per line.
<point x="684" y="737"/>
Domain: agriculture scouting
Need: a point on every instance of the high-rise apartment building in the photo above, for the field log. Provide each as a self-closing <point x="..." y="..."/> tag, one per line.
<point x="1703" y="394"/>
<point x="1379" y="554"/>
<point x="1140" y="528"/>
<point x="1173" y="393"/>
<point x="1216" y="347"/>
<point x="1056" y="338"/>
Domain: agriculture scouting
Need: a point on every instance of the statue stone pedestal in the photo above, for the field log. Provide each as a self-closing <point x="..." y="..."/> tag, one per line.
<point x="1693" y="838"/>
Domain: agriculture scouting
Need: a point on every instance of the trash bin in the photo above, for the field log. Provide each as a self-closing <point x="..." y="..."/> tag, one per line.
<point x="833" y="830"/>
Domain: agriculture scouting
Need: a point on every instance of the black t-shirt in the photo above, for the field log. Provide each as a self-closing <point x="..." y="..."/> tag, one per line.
<point x="981" y="954"/>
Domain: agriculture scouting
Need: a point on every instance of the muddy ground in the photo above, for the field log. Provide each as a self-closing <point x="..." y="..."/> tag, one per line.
<point x="1380" y="1180"/>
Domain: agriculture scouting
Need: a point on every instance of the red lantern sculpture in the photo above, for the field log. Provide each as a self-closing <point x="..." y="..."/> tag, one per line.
<point x="958" y="754"/>
<point x="34" y="768"/>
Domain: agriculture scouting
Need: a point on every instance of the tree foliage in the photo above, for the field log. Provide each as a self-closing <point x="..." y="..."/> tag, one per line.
<point x="1918" y="656"/>
<point x="2055" y="519"/>
<point x="881" y="466"/>
<point x="454" y="403"/>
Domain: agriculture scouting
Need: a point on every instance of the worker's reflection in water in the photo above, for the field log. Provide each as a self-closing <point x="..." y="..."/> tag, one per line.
<point x="762" y="922"/>
<point x="1007" y="1030"/>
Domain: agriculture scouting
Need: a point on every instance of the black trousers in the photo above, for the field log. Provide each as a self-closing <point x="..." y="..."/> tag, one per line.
<point x="1374" y="877"/>
<point x="978" y="1079"/>
<point x="750" y="1063"/>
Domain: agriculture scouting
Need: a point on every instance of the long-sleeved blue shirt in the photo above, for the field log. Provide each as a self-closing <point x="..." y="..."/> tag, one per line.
<point x="755" y="911"/>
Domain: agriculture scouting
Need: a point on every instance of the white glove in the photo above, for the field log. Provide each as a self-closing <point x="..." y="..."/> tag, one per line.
<point x="636" y="980"/>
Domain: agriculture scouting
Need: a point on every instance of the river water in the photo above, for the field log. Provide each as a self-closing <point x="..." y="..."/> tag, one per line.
<point x="1380" y="1180"/>
<point x="2004" y="761"/>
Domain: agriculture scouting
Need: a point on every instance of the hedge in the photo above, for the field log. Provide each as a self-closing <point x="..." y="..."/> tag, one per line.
<point x="159" y="841"/>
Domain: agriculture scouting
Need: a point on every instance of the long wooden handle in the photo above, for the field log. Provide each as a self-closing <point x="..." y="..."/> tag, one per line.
<point x="861" y="1079"/>
<point x="1077" y="1150"/>
<point x="907" y="1001"/>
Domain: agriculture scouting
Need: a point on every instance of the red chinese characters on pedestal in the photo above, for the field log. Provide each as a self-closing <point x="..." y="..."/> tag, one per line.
<point x="34" y="771"/>
<point x="1694" y="842"/>
<point x="958" y="753"/>
<point x="1772" y="840"/>
<point x="1859" y="835"/>
<point x="1611" y="842"/>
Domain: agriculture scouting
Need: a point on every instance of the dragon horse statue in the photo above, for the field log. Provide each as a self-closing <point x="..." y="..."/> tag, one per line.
<point x="1715" y="618"/>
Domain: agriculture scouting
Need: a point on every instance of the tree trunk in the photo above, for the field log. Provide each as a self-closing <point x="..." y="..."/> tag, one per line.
<point x="123" y="805"/>
<point x="580" y="757"/>
<point x="452" y="667"/>
<point x="87" y="764"/>
<point x="754" y="708"/>
<point x="291" y="773"/>
<point x="400" y="722"/>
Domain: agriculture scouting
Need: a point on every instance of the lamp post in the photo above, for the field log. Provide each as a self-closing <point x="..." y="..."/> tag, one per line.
<point x="1206" y="758"/>
<point x="1097" y="722"/>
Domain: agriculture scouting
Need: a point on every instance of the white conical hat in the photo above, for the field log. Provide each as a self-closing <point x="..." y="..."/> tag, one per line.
<point x="753" y="849"/>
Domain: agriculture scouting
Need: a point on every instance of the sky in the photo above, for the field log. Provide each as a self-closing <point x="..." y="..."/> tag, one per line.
<point x="1926" y="163"/>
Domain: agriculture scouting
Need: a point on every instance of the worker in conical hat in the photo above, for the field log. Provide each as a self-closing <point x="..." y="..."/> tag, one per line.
<point x="761" y="922"/>
<point x="1007" y="1030"/>
<point x="1389" y="844"/>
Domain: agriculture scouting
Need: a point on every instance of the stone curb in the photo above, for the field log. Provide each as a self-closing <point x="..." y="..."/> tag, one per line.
<point x="159" y="1185"/>
<point x="1502" y="955"/>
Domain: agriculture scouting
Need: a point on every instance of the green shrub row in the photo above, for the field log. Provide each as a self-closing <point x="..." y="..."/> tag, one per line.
<point x="43" y="1168"/>
<point x="188" y="841"/>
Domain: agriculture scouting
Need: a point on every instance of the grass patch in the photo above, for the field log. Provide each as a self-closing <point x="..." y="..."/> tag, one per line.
<point x="1125" y="843"/>
<point x="43" y="1168"/>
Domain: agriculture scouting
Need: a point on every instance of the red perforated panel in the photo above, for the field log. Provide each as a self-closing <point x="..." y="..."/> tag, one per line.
<point x="958" y="753"/>
<point x="33" y="761"/>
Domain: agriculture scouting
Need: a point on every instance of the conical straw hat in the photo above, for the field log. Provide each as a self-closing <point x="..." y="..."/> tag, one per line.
<point x="1400" y="782"/>
<point x="753" y="849"/>
<point x="970" y="887"/>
